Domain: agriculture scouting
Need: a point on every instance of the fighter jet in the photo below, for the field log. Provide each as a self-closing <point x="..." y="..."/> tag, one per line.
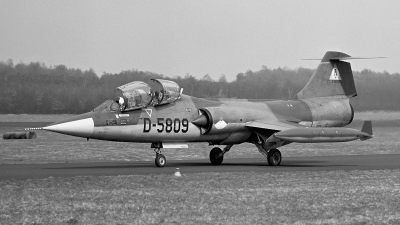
<point x="161" y="115"/>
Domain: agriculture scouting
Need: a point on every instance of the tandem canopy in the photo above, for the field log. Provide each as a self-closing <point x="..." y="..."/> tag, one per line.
<point x="134" y="95"/>
<point x="166" y="91"/>
<point x="138" y="94"/>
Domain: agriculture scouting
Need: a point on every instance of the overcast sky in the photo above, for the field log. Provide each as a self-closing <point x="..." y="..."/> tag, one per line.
<point x="198" y="37"/>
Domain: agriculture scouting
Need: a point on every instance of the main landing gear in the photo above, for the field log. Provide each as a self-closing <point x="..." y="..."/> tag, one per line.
<point x="217" y="155"/>
<point x="274" y="157"/>
<point x="268" y="149"/>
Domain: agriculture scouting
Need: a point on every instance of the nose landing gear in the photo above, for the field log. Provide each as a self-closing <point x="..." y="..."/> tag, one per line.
<point x="160" y="159"/>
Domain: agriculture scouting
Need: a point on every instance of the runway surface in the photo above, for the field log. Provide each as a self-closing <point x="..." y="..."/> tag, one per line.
<point x="289" y="164"/>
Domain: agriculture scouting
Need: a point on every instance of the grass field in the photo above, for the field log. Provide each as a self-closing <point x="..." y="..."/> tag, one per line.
<point x="335" y="197"/>
<point x="327" y="197"/>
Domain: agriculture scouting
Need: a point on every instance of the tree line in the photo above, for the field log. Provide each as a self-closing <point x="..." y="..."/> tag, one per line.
<point x="39" y="89"/>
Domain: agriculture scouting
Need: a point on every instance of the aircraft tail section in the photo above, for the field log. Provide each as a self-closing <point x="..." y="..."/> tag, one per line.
<point x="332" y="77"/>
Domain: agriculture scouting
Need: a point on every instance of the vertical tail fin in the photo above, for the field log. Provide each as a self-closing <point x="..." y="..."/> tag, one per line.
<point x="331" y="78"/>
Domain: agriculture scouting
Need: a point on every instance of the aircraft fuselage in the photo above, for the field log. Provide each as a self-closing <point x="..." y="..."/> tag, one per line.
<point x="173" y="122"/>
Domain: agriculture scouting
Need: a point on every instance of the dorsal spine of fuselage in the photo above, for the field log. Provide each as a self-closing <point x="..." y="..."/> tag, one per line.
<point x="332" y="78"/>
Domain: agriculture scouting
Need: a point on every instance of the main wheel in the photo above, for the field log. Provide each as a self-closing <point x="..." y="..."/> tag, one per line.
<point x="216" y="156"/>
<point x="160" y="160"/>
<point x="274" y="157"/>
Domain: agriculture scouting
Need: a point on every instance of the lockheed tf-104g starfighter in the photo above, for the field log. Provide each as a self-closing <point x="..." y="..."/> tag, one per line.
<point x="159" y="114"/>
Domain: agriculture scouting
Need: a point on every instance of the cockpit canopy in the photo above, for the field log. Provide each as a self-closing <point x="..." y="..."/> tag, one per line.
<point x="137" y="95"/>
<point x="134" y="95"/>
<point x="165" y="92"/>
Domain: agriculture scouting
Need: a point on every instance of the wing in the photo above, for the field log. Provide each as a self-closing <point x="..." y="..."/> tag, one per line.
<point x="273" y="125"/>
<point x="265" y="130"/>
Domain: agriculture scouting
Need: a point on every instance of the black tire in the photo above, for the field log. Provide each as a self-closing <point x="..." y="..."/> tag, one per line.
<point x="274" y="157"/>
<point x="216" y="156"/>
<point x="160" y="160"/>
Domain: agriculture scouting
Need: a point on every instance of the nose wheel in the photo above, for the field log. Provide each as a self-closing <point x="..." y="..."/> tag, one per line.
<point x="160" y="160"/>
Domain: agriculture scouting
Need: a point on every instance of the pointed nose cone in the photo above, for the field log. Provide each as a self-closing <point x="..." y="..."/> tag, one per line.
<point x="80" y="126"/>
<point x="201" y="121"/>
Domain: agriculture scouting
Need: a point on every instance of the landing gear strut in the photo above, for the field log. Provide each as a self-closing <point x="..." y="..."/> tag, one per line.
<point x="217" y="155"/>
<point x="267" y="146"/>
